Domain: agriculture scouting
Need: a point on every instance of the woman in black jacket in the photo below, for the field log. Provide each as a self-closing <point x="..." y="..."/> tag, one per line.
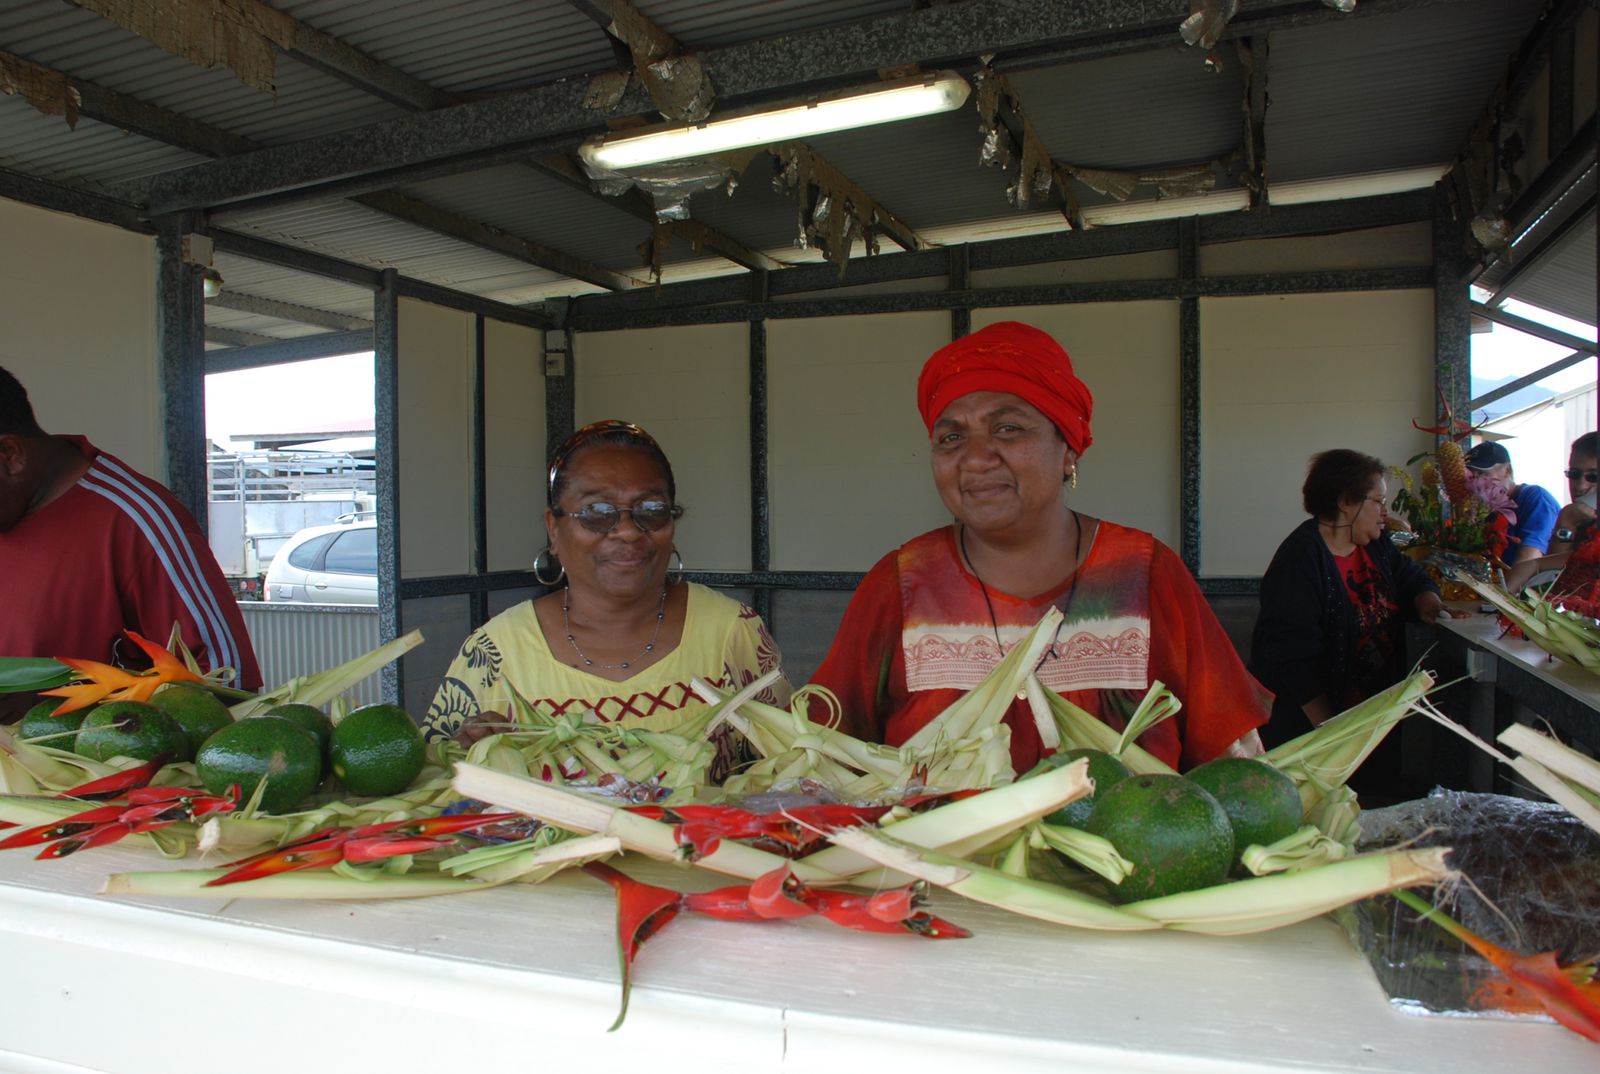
<point x="1333" y="603"/>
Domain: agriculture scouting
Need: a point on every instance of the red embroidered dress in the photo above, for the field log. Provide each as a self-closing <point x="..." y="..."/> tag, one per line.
<point x="918" y="634"/>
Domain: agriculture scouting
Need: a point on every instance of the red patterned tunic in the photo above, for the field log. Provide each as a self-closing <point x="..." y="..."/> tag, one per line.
<point x="918" y="633"/>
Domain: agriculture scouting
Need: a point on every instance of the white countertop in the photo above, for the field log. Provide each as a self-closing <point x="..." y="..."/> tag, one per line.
<point x="522" y="976"/>
<point x="1483" y="629"/>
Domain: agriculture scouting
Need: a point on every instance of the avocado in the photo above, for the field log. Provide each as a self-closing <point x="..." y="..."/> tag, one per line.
<point x="41" y="722"/>
<point x="309" y="717"/>
<point x="1262" y="803"/>
<point x="1106" y="771"/>
<point x="1175" y="834"/>
<point x="131" y="729"/>
<point x="377" y="750"/>
<point x="197" y="710"/>
<point x="245" y="752"/>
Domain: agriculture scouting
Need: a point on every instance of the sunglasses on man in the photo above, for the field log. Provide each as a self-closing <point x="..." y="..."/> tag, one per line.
<point x="602" y="517"/>
<point x="1591" y="476"/>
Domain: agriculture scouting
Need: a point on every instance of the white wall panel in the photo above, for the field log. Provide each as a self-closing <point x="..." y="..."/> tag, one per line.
<point x="435" y="419"/>
<point x="77" y="328"/>
<point x="848" y="455"/>
<point x="1127" y="353"/>
<point x="514" y="434"/>
<point x="689" y="387"/>
<point x="1283" y="377"/>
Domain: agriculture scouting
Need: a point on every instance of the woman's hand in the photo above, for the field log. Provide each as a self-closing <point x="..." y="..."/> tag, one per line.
<point x="1429" y="606"/>
<point x="482" y="725"/>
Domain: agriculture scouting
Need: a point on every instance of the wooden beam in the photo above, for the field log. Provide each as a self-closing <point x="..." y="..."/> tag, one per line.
<point x="232" y="337"/>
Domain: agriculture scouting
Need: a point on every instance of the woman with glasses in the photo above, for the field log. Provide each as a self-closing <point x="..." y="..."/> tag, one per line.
<point x="1009" y="422"/>
<point x="618" y="636"/>
<point x="1334" y="600"/>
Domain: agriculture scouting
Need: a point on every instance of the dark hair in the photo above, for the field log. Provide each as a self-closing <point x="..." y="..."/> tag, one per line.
<point x="1336" y="477"/>
<point x="16" y="413"/>
<point x="1587" y="444"/>
<point x="609" y="431"/>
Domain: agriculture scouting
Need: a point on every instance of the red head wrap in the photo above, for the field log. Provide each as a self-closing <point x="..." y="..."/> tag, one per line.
<point x="1009" y="357"/>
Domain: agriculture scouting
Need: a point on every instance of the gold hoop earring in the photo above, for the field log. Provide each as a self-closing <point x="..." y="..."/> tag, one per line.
<point x="538" y="570"/>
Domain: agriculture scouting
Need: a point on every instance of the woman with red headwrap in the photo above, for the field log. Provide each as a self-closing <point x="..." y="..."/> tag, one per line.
<point x="1009" y="421"/>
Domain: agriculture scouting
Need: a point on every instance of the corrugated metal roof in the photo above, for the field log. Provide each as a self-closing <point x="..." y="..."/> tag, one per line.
<point x="1348" y="97"/>
<point x="1135" y="110"/>
<point x="346" y="230"/>
<point x="1382" y="93"/>
<point x="530" y="203"/>
<point x="1563" y="280"/>
<point x="479" y="45"/>
<point x="92" y="155"/>
<point x="704" y="24"/>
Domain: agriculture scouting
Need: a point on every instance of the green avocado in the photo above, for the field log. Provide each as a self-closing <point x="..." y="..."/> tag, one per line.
<point x="1175" y="834"/>
<point x="268" y="748"/>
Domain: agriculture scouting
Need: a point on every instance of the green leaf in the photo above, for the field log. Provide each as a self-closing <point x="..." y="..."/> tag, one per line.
<point x="31" y="673"/>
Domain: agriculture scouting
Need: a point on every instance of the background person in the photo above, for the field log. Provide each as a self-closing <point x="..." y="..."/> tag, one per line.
<point x="1536" y="508"/>
<point x="1576" y="520"/>
<point x="620" y="638"/>
<point x="90" y="548"/>
<point x="1009" y="421"/>
<point x="1333" y="606"/>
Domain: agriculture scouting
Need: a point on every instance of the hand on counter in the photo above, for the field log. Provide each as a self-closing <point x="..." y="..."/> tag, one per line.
<point x="1430" y="607"/>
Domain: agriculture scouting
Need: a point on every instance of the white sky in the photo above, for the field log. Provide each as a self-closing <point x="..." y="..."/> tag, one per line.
<point x="299" y="395"/>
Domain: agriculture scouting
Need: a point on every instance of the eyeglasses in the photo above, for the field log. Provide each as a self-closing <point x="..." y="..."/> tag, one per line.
<point x="602" y="517"/>
<point x="1377" y="500"/>
<point x="1591" y="476"/>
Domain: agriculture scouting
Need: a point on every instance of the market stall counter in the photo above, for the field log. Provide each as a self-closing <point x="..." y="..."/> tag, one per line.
<point x="1562" y="694"/>
<point x="522" y="978"/>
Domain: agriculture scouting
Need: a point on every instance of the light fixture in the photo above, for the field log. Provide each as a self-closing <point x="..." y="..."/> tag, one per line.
<point x="211" y="282"/>
<point x="882" y="102"/>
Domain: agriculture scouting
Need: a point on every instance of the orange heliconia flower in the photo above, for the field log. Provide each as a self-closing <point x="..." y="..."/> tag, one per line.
<point x="102" y="682"/>
<point x="1569" y="994"/>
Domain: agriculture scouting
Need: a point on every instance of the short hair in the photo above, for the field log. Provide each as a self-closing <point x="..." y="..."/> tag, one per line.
<point x="16" y="413"/>
<point x="1587" y="444"/>
<point x="1335" y="477"/>
<point x="609" y="431"/>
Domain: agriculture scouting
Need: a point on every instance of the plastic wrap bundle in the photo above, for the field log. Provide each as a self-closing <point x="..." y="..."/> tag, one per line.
<point x="1530" y="872"/>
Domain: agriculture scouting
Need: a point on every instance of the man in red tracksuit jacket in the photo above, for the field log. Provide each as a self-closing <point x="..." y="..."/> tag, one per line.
<point x="90" y="548"/>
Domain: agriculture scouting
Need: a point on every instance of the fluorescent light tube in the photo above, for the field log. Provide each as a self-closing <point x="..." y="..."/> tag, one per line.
<point x="883" y="102"/>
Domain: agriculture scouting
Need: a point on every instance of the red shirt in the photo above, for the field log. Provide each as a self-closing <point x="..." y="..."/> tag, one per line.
<point x="116" y="551"/>
<point x="918" y="634"/>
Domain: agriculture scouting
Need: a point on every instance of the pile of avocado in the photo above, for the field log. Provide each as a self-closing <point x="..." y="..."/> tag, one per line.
<point x="1184" y="832"/>
<point x="375" y="750"/>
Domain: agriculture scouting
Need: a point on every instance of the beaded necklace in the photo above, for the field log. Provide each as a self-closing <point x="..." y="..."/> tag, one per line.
<point x="650" y="646"/>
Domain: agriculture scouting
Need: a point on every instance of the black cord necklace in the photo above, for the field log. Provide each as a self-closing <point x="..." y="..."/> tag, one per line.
<point x="988" y="601"/>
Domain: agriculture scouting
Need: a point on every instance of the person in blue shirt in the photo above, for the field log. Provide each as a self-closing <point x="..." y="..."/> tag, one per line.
<point x="1536" y="508"/>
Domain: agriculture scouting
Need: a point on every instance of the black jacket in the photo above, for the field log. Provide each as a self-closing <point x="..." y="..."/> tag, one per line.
<point x="1307" y="624"/>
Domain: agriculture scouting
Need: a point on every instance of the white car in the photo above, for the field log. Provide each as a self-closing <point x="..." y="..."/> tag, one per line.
<point x="327" y="565"/>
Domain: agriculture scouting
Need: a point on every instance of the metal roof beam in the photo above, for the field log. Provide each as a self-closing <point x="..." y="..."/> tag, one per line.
<point x="554" y="116"/>
<point x="1534" y="328"/>
<point x="289" y="311"/>
<point x="332" y="56"/>
<point x="255" y="248"/>
<point x="278" y="352"/>
<point x="232" y="337"/>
